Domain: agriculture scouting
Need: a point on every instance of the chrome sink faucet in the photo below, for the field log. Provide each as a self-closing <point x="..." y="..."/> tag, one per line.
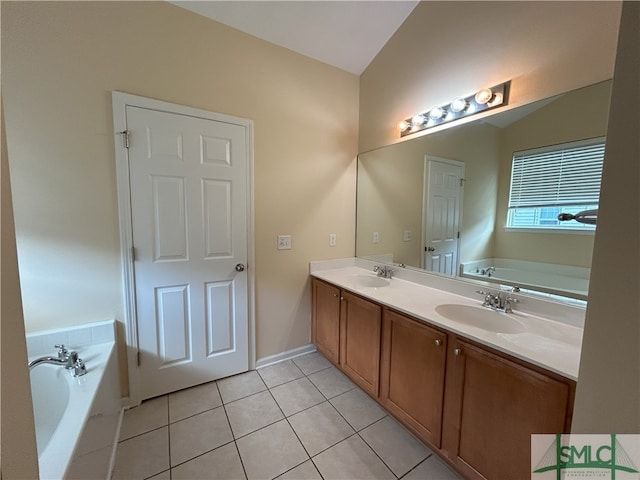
<point x="383" y="271"/>
<point x="498" y="301"/>
<point x="65" y="358"/>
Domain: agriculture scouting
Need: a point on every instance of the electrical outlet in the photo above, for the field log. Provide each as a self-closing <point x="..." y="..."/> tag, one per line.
<point x="406" y="236"/>
<point x="332" y="239"/>
<point x="284" y="242"/>
<point x="376" y="237"/>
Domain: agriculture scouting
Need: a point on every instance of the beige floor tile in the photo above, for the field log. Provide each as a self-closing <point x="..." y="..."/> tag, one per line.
<point x="222" y="463"/>
<point x="271" y="451"/>
<point x="432" y="469"/>
<point x="196" y="435"/>
<point x="351" y="459"/>
<point x="280" y="373"/>
<point x="331" y="382"/>
<point x="194" y="400"/>
<point x="320" y="427"/>
<point x="151" y="414"/>
<point x="251" y="413"/>
<point x="400" y="450"/>
<point x="142" y="456"/>
<point x="239" y="386"/>
<point x="358" y="408"/>
<point x="306" y="471"/>
<point x="166" y="475"/>
<point x="312" y="363"/>
<point x="296" y="396"/>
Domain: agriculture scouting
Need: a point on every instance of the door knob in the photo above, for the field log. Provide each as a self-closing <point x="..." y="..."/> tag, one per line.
<point x="240" y="267"/>
<point x="431" y="249"/>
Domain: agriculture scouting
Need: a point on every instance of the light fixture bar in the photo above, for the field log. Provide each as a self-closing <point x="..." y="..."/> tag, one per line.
<point x="460" y="107"/>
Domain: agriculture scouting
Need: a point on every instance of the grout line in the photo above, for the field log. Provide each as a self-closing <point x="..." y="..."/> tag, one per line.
<point x="201" y="454"/>
<point x="419" y="463"/>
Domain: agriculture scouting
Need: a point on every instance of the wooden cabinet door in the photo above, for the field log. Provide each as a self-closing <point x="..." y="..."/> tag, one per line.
<point x="325" y="319"/>
<point x="360" y="326"/>
<point x="412" y="374"/>
<point x="493" y="405"/>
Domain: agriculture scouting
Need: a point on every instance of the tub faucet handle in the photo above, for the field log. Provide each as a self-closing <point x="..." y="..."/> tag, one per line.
<point x="62" y="350"/>
<point x="79" y="368"/>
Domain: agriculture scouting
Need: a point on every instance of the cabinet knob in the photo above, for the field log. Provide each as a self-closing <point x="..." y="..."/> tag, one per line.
<point x="341" y="298"/>
<point x="438" y="342"/>
<point x="457" y="352"/>
<point x="335" y="295"/>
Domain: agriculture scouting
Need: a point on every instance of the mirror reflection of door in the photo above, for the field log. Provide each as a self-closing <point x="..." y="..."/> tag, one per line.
<point x="443" y="200"/>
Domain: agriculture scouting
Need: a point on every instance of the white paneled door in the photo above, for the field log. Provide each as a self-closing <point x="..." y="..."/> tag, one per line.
<point x="442" y="219"/>
<point x="188" y="181"/>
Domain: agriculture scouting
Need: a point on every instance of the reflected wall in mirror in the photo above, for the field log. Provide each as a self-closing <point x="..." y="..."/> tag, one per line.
<point x="391" y="195"/>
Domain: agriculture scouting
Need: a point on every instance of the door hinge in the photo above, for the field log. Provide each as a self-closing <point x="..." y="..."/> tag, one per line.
<point x="125" y="138"/>
<point x="458" y="234"/>
<point x="133" y="254"/>
<point x="138" y="357"/>
<point x="462" y="180"/>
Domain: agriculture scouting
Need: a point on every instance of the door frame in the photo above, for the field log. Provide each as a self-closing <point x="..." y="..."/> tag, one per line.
<point x="425" y="205"/>
<point x="120" y="101"/>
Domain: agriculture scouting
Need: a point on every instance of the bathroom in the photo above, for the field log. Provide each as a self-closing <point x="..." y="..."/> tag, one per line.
<point x="62" y="62"/>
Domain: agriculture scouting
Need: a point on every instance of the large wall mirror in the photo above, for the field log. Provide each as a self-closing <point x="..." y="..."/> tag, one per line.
<point x="397" y="214"/>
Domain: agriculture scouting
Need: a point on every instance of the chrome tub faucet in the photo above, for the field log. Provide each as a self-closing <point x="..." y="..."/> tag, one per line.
<point x="65" y="358"/>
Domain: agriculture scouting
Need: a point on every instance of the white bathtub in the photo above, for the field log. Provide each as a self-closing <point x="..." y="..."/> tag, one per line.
<point x="77" y="418"/>
<point x="542" y="277"/>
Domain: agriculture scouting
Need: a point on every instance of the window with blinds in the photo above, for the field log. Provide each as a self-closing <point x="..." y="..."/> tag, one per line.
<point x="552" y="180"/>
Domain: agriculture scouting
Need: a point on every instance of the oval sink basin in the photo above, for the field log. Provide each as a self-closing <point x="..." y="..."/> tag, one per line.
<point x="481" y="317"/>
<point x="370" y="281"/>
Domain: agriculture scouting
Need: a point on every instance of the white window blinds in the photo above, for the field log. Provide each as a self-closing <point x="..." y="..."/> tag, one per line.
<point x="557" y="176"/>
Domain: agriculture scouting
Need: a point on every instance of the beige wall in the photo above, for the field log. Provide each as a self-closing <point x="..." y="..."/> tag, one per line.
<point x="19" y="457"/>
<point x="60" y="63"/>
<point x="579" y="115"/>
<point x="445" y="49"/>
<point x="608" y="393"/>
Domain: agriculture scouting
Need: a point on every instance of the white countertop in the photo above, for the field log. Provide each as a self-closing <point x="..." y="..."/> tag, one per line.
<point x="547" y="343"/>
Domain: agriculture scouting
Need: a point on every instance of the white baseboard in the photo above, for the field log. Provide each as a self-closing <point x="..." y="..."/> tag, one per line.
<point x="283" y="356"/>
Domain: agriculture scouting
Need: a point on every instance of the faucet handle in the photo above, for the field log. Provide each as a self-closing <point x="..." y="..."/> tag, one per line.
<point x="79" y="368"/>
<point x="62" y="350"/>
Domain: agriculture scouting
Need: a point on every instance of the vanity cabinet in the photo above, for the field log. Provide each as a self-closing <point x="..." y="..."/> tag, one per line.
<point x="475" y="406"/>
<point x="412" y="373"/>
<point x="492" y="406"/>
<point x="360" y="326"/>
<point x="346" y="328"/>
<point x="325" y="319"/>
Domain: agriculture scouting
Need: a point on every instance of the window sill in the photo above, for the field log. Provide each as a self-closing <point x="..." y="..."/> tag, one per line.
<point x="562" y="231"/>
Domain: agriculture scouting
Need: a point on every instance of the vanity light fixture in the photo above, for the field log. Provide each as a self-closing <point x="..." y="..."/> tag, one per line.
<point x="458" y="104"/>
<point x="436" y="113"/>
<point x="459" y="107"/>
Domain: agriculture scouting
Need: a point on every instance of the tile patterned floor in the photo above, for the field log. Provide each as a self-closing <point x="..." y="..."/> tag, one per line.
<point x="299" y="419"/>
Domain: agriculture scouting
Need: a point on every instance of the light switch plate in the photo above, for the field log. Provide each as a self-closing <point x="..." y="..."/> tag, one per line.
<point x="376" y="237"/>
<point x="284" y="242"/>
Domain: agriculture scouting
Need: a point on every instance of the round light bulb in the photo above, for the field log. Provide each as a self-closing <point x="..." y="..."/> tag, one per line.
<point x="417" y="120"/>
<point x="458" y="104"/>
<point x="483" y="96"/>
<point x="436" y="113"/>
<point x="497" y="99"/>
<point x="403" y="125"/>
